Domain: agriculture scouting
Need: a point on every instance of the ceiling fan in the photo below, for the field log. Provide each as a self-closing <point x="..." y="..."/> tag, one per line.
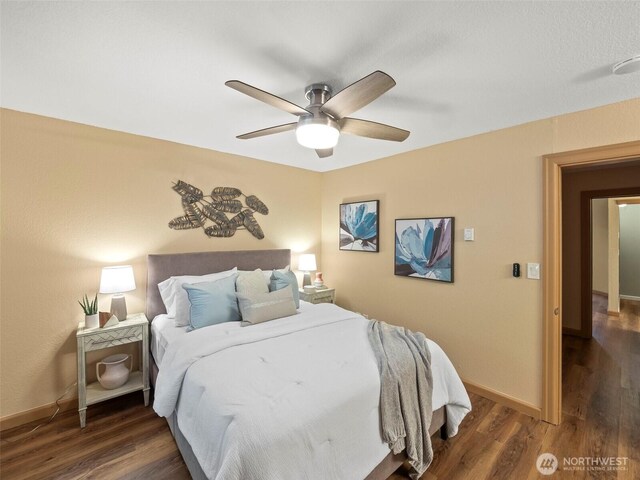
<point x="320" y="123"/>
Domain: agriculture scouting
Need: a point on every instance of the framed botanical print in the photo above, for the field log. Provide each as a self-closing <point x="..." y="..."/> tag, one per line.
<point x="359" y="226"/>
<point x="424" y="248"/>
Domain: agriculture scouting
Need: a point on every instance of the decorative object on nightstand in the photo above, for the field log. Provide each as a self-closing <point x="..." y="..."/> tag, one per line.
<point x="107" y="319"/>
<point x="118" y="280"/>
<point x="318" y="282"/>
<point x="135" y="328"/>
<point x="307" y="263"/>
<point x="325" y="295"/>
<point x="90" y="309"/>
<point x="116" y="372"/>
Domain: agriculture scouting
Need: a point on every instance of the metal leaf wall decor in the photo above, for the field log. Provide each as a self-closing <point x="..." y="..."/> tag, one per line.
<point x="199" y="208"/>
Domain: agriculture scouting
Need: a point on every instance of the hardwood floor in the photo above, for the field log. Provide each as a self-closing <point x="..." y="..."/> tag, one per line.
<point x="601" y="418"/>
<point x="123" y="439"/>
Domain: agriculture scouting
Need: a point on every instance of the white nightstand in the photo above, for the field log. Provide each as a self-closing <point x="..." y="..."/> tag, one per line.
<point x="134" y="329"/>
<point x="327" y="295"/>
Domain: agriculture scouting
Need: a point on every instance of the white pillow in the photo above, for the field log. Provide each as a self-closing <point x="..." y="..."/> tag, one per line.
<point x="167" y="294"/>
<point x="252" y="282"/>
<point x="266" y="273"/>
<point x="175" y="298"/>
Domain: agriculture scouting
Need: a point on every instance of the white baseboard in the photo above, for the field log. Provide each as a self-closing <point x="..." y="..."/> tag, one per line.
<point x="629" y="297"/>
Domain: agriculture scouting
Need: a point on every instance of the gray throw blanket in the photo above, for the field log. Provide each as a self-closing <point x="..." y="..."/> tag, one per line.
<point x="406" y="385"/>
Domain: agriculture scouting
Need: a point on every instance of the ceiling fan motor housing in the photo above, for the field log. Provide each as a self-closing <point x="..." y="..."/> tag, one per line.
<point x="318" y="94"/>
<point x="320" y="119"/>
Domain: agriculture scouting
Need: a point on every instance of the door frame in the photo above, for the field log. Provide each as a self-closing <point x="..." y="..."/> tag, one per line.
<point x="552" y="261"/>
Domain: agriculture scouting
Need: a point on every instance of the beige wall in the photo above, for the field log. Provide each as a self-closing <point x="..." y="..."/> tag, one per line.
<point x="600" y="244"/>
<point x="488" y="322"/>
<point x="76" y="198"/>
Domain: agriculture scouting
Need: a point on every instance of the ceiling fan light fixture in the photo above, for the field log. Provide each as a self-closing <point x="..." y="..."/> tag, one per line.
<point x="317" y="132"/>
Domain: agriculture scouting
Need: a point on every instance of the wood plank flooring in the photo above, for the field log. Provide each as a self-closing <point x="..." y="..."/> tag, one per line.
<point x="601" y="417"/>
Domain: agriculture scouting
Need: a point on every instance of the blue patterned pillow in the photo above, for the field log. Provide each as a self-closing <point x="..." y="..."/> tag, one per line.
<point x="281" y="280"/>
<point x="212" y="302"/>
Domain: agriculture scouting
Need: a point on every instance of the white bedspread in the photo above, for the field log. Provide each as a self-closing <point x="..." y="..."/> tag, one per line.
<point x="294" y="398"/>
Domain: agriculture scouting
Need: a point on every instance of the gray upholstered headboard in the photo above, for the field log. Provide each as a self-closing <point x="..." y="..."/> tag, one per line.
<point x="161" y="267"/>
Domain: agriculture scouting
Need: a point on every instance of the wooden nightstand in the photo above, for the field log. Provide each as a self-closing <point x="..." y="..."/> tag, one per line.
<point x="328" y="295"/>
<point x="134" y="329"/>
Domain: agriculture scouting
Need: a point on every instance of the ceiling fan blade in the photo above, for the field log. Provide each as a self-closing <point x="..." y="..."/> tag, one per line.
<point x="268" y="131"/>
<point x="266" y="97"/>
<point x="358" y="94"/>
<point x="325" y="152"/>
<point x="365" y="128"/>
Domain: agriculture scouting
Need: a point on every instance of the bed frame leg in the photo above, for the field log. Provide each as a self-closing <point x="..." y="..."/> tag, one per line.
<point x="443" y="432"/>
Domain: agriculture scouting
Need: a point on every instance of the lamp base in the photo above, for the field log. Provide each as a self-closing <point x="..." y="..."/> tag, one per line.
<point x="306" y="280"/>
<point x="119" y="307"/>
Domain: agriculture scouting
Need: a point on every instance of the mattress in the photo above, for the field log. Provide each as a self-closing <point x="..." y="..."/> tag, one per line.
<point x="299" y="395"/>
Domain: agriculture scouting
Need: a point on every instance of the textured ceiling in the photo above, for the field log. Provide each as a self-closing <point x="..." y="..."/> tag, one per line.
<point x="462" y="68"/>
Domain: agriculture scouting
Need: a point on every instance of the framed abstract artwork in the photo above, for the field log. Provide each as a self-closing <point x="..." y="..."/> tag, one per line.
<point x="424" y="248"/>
<point x="359" y="226"/>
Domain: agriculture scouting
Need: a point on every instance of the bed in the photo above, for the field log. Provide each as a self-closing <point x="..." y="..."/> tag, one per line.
<point x="298" y="394"/>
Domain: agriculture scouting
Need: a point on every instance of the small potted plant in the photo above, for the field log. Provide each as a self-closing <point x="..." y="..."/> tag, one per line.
<point x="90" y="308"/>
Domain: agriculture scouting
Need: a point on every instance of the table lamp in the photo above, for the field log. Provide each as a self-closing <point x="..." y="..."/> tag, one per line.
<point x="117" y="280"/>
<point x="307" y="263"/>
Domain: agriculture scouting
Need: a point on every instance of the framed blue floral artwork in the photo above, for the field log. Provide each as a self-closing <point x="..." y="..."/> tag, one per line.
<point x="359" y="226"/>
<point x="424" y="248"/>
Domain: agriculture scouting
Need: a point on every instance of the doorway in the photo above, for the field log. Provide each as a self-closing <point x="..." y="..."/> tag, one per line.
<point x="615" y="255"/>
<point x="588" y="199"/>
<point x="553" y="166"/>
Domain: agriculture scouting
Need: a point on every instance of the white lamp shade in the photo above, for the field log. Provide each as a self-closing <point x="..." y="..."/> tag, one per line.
<point x="317" y="136"/>
<point x="117" y="279"/>
<point x="307" y="262"/>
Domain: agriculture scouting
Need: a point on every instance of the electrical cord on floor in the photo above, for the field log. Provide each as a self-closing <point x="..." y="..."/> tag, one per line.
<point x="58" y="407"/>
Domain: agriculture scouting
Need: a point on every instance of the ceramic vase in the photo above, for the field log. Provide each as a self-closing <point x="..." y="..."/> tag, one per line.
<point x="116" y="372"/>
<point x="92" y="321"/>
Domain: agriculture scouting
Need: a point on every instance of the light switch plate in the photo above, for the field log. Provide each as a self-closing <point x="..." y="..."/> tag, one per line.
<point x="469" y="234"/>
<point x="533" y="271"/>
